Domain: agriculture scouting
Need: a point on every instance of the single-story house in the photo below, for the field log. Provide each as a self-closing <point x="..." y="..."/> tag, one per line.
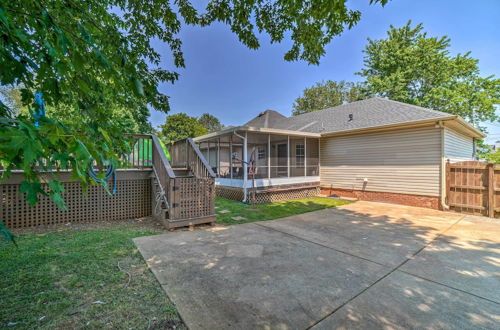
<point x="375" y="149"/>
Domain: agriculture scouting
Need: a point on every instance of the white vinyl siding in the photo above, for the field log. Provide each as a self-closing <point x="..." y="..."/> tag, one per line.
<point x="457" y="147"/>
<point x="402" y="161"/>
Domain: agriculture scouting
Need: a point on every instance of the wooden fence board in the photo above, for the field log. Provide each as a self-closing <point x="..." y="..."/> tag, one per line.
<point x="471" y="187"/>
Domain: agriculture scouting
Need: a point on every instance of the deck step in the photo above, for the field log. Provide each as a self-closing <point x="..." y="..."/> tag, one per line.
<point x="182" y="173"/>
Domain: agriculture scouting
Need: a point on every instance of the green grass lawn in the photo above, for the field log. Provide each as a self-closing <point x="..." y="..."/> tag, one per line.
<point x="81" y="279"/>
<point x="270" y="211"/>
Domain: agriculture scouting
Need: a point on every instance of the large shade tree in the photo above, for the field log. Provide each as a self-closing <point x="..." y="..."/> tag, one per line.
<point x="413" y="67"/>
<point x="91" y="57"/>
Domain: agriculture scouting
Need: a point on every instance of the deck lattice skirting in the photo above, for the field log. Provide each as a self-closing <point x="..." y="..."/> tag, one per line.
<point x="132" y="200"/>
<point x="271" y="194"/>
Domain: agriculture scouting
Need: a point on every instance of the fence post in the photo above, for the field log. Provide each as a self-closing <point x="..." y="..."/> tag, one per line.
<point x="448" y="188"/>
<point x="491" y="190"/>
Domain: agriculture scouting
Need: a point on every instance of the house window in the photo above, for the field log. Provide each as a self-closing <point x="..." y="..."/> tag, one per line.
<point x="300" y="154"/>
<point x="261" y="153"/>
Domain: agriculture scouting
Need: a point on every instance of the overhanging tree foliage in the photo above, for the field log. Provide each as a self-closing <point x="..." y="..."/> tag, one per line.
<point x="91" y="57"/>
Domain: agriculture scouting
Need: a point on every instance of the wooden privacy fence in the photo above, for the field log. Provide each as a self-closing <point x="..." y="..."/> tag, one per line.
<point x="473" y="187"/>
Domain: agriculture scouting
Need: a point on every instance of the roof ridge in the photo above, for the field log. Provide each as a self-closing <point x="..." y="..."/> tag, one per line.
<point x="413" y="105"/>
<point x="337" y="106"/>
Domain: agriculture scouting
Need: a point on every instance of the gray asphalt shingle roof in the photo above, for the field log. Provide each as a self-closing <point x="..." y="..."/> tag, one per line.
<point x="366" y="113"/>
<point x="266" y="119"/>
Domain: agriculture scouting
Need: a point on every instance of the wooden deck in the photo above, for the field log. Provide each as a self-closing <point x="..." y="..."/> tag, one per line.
<point x="149" y="186"/>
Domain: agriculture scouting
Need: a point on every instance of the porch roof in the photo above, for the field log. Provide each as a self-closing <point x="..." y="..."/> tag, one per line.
<point x="263" y="130"/>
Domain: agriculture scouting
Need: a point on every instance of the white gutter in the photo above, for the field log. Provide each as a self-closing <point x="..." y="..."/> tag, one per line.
<point x="245" y="166"/>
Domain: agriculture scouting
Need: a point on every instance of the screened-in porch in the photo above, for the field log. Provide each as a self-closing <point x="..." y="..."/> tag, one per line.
<point x="269" y="159"/>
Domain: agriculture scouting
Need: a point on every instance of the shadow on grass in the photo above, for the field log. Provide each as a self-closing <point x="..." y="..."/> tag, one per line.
<point x="227" y="209"/>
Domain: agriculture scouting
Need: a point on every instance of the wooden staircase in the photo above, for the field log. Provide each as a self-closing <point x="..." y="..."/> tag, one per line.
<point x="183" y="189"/>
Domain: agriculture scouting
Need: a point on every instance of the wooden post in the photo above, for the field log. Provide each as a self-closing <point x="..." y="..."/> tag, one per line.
<point x="305" y="156"/>
<point x="491" y="190"/>
<point x="231" y="157"/>
<point x="288" y="155"/>
<point x="269" y="156"/>
<point x="448" y="175"/>
<point x="218" y="157"/>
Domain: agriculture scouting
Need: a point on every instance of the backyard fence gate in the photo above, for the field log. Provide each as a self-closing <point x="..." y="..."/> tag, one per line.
<point x="473" y="187"/>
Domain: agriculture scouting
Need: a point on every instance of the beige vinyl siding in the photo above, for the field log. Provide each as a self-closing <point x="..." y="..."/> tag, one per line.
<point x="457" y="147"/>
<point x="403" y="161"/>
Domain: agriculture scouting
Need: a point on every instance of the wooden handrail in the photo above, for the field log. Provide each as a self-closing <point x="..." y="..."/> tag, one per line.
<point x="186" y="154"/>
<point x="162" y="158"/>
<point x="200" y="156"/>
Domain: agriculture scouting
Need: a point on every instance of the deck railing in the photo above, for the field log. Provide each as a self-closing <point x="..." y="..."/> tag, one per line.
<point x="176" y="200"/>
<point x="142" y="151"/>
<point x="186" y="154"/>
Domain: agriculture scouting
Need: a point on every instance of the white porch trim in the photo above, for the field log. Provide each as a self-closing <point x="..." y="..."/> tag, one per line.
<point x="239" y="183"/>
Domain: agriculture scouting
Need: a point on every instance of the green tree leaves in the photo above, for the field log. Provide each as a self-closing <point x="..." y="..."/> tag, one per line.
<point x="412" y="67"/>
<point x="95" y="65"/>
<point x="328" y="94"/>
<point x="181" y="126"/>
<point x="210" y="122"/>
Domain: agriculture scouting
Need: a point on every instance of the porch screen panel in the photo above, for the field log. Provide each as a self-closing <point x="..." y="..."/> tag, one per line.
<point x="297" y="156"/>
<point x="279" y="156"/>
<point x="312" y="157"/>
<point x="213" y="157"/>
<point x="237" y="157"/>
<point x="258" y="153"/>
<point x="203" y="146"/>
<point x="236" y="162"/>
<point x="224" y="160"/>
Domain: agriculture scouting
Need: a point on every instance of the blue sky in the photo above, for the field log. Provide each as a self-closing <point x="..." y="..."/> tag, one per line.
<point x="234" y="83"/>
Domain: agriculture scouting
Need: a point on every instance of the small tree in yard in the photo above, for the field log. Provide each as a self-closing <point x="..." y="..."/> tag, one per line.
<point x="210" y="122"/>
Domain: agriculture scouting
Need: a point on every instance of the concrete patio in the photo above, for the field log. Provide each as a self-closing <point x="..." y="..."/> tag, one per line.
<point x="362" y="265"/>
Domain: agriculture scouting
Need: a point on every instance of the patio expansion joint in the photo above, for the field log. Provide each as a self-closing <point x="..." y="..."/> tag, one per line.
<point x="447" y="286"/>
<point x="322" y="245"/>
<point x="392" y="271"/>
<point x="380" y="264"/>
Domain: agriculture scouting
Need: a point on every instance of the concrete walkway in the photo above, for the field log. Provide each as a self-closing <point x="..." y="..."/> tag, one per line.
<point x="362" y="265"/>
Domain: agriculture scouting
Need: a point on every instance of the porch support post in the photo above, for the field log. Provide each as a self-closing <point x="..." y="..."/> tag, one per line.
<point x="245" y="166"/>
<point x="269" y="156"/>
<point x="218" y="157"/>
<point x="288" y="155"/>
<point x="231" y="157"/>
<point x="305" y="156"/>
<point x="208" y="152"/>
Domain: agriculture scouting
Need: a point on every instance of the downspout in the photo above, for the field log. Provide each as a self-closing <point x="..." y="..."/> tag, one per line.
<point x="474" y="149"/>
<point x="245" y="160"/>
<point x="443" y="169"/>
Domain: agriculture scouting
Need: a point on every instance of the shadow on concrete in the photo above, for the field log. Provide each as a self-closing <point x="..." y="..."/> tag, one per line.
<point x="359" y="265"/>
